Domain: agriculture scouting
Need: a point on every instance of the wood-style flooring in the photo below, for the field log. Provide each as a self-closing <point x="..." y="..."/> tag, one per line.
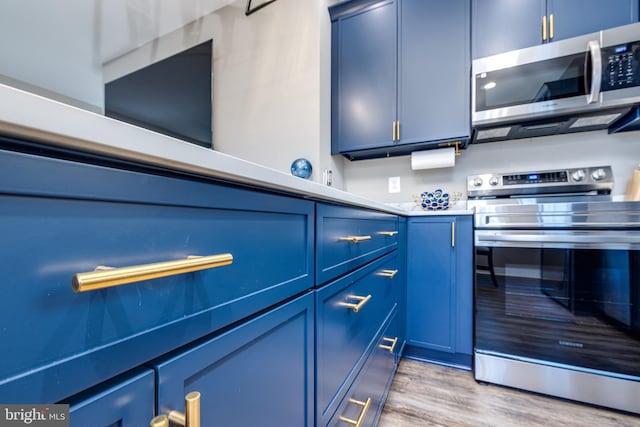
<point x="424" y="394"/>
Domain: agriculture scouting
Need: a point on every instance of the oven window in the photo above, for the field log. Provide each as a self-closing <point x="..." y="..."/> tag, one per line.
<point x="569" y="306"/>
<point x="525" y="84"/>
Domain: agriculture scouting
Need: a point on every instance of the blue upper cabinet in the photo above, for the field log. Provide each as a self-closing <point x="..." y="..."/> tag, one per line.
<point x="503" y="25"/>
<point x="389" y="68"/>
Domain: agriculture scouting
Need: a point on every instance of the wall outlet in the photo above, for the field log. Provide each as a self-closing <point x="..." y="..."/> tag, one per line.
<point x="394" y="184"/>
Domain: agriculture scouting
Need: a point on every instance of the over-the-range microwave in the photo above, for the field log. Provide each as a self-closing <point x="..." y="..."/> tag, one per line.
<point x="578" y="84"/>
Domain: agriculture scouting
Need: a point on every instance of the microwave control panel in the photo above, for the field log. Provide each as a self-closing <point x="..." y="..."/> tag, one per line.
<point x="621" y="66"/>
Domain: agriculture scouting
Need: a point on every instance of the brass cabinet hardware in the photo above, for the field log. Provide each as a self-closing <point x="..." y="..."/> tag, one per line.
<point x="107" y="277"/>
<point x="393" y="131"/>
<point x="453" y="234"/>
<point x="551" y="27"/>
<point x="449" y="144"/>
<point x="391" y="347"/>
<point x="355" y="306"/>
<point x="160" y="421"/>
<point x="544" y="28"/>
<point x="398" y="130"/>
<point x="388" y="273"/>
<point x="354" y="239"/>
<point x="363" y="413"/>
<point x="387" y="233"/>
<point x="191" y="415"/>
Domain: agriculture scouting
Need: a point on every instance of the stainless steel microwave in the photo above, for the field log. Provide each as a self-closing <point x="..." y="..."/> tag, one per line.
<point x="577" y="84"/>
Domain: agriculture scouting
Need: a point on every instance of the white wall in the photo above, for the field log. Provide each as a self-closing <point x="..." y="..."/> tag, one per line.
<point x="271" y="75"/>
<point x="369" y="178"/>
<point x="52" y="48"/>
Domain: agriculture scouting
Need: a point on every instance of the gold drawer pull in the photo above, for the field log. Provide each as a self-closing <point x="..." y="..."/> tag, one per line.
<point x="160" y="421"/>
<point x="191" y="416"/>
<point x="354" y="239"/>
<point x="388" y="273"/>
<point x="105" y="277"/>
<point x="387" y="233"/>
<point x="355" y="307"/>
<point x="363" y="413"/>
<point x="391" y="347"/>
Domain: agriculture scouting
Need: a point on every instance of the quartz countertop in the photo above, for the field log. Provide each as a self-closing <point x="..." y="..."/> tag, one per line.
<point x="26" y="115"/>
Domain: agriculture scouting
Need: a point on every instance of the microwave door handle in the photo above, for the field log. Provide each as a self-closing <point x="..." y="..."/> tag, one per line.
<point x="594" y="57"/>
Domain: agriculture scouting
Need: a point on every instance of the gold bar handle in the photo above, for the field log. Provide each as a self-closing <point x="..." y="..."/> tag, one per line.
<point x="160" y="421"/>
<point x="387" y="233"/>
<point x="388" y="273"/>
<point x="544" y="28"/>
<point x="393" y="131"/>
<point x="391" y="347"/>
<point x="353" y="306"/>
<point x="354" y="239"/>
<point x="191" y="416"/>
<point x="398" y="131"/>
<point x="453" y="234"/>
<point x="105" y="277"/>
<point x="551" y="27"/>
<point x="363" y="413"/>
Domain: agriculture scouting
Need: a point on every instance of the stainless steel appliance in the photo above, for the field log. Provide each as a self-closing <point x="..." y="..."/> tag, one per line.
<point x="557" y="285"/>
<point x="579" y="84"/>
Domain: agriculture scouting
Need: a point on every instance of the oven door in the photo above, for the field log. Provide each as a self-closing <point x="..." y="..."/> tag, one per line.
<point x="562" y="297"/>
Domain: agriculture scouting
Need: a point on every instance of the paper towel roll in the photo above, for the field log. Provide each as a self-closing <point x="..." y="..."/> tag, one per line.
<point x="433" y="159"/>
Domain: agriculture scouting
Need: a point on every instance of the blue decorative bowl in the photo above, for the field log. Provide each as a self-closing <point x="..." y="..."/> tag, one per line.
<point x="436" y="200"/>
<point x="301" y="168"/>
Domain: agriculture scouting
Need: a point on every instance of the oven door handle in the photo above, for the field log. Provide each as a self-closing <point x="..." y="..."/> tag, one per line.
<point x="560" y="239"/>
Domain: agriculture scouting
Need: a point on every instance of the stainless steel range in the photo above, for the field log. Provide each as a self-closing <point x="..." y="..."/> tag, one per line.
<point x="557" y="285"/>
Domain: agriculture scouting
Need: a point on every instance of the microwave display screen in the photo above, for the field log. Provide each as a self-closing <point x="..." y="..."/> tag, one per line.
<point x="546" y="80"/>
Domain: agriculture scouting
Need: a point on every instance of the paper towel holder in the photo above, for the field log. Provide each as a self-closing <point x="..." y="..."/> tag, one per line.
<point x="449" y="144"/>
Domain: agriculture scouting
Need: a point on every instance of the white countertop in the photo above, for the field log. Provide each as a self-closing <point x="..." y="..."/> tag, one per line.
<point x="23" y="114"/>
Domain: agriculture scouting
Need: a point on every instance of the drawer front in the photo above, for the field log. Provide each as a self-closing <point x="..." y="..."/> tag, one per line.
<point x="130" y="402"/>
<point x="257" y="374"/>
<point x="344" y="335"/>
<point x="348" y="238"/>
<point x="73" y="217"/>
<point x="365" y="399"/>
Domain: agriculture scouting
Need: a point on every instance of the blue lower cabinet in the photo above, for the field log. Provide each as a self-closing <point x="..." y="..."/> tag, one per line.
<point x="363" y="403"/>
<point x="61" y="219"/>
<point x="259" y="373"/>
<point x="350" y="312"/>
<point x="124" y="402"/>
<point x="440" y="289"/>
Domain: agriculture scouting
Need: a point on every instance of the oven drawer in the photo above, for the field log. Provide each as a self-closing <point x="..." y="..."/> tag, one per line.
<point x="349" y="314"/>
<point x="59" y="218"/>
<point x="348" y="238"/>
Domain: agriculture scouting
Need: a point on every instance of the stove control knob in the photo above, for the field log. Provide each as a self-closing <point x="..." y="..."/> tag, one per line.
<point x="494" y="180"/>
<point x="477" y="182"/>
<point x="599" y="174"/>
<point x="578" y="175"/>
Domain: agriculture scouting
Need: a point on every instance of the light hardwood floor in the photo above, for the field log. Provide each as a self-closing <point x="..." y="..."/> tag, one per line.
<point x="424" y="394"/>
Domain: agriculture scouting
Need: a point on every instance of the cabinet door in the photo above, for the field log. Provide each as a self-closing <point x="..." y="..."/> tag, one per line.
<point x="431" y="292"/>
<point x="364" y="78"/>
<point x="576" y="17"/>
<point x="259" y="373"/>
<point x="503" y="25"/>
<point x="126" y="402"/>
<point x="434" y="68"/>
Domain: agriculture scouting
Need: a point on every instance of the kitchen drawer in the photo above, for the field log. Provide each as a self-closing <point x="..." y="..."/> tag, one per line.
<point x="59" y="218"/>
<point x="345" y="335"/>
<point x="126" y="402"/>
<point x="348" y="238"/>
<point x="365" y="399"/>
<point x="259" y="373"/>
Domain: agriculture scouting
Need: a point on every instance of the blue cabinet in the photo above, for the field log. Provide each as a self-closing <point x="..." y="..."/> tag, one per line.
<point x="60" y="217"/>
<point x="259" y="373"/>
<point x="388" y="96"/>
<point x="504" y="25"/>
<point x="440" y="289"/>
<point x="127" y="401"/>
